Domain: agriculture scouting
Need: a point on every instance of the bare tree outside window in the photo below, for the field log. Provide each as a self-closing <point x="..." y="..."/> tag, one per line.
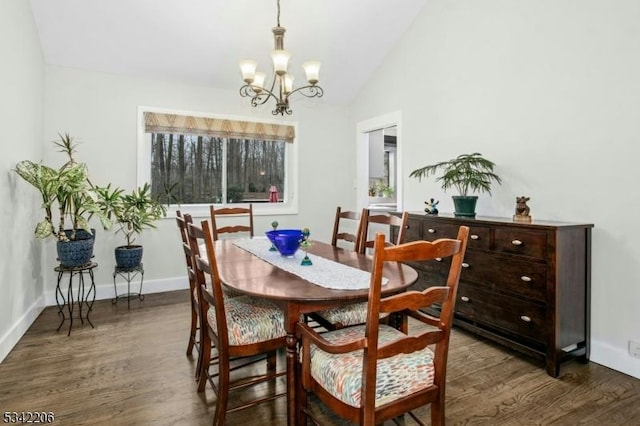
<point x="190" y="169"/>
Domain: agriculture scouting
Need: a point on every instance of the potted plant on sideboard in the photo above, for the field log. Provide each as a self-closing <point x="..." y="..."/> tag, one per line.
<point x="132" y="213"/>
<point x="468" y="173"/>
<point x="68" y="197"/>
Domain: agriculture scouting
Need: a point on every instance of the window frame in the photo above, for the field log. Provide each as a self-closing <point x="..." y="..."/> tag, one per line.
<point x="289" y="193"/>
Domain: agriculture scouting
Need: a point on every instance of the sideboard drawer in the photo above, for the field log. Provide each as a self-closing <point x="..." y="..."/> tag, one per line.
<point x="517" y="241"/>
<point x="507" y="313"/>
<point x="494" y="273"/>
<point x="479" y="237"/>
<point x="433" y="230"/>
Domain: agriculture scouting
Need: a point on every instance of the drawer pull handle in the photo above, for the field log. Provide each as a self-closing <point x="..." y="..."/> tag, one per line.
<point x="525" y="278"/>
<point x="431" y="231"/>
<point x="525" y="318"/>
<point x="464" y="298"/>
<point x="516" y="242"/>
<point x="474" y="237"/>
<point x="465" y="265"/>
<point x="438" y="259"/>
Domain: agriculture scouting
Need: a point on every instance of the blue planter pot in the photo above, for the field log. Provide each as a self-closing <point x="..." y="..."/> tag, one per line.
<point x="76" y="252"/>
<point x="128" y="257"/>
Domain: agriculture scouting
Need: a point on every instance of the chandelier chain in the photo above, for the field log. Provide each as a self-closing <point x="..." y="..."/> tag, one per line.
<point x="278" y="18"/>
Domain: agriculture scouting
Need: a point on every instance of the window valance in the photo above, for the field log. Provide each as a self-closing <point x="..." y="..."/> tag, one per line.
<point x="157" y="122"/>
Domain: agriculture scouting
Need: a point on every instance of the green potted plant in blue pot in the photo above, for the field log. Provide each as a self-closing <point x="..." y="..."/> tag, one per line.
<point x="467" y="173"/>
<point x="69" y="201"/>
<point x="132" y="214"/>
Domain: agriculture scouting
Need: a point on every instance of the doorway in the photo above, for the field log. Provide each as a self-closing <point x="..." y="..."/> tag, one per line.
<point x="379" y="170"/>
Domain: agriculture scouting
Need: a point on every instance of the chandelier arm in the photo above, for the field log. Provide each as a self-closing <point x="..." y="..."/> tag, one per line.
<point x="313" y="91"/>
<point x="257" y="98"/>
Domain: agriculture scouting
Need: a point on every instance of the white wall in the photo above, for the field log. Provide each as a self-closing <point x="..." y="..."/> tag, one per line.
<point x="100" y="110"/>
<point x="21" y="118"/>
<point x="549" y="91"/>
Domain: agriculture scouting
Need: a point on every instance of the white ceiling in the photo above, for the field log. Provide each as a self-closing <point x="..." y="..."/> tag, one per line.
<point x="201" y="41"/>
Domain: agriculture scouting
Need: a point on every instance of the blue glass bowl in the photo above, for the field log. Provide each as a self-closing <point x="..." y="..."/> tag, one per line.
<point x="287" y="241"/>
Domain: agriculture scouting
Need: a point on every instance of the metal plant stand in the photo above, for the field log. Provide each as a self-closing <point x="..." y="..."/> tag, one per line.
<point x="81" y="299"/>
<point x="129" y="274"/>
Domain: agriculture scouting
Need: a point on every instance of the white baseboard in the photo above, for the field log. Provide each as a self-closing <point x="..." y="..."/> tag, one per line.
<point x="20" y="327"/>
<point x="614" y="358"/>
<point x="103" y="291"/>
<point x="106" y="291"/>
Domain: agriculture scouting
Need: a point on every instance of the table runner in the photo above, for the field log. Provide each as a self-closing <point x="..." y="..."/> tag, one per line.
<point x="324" y="272"/>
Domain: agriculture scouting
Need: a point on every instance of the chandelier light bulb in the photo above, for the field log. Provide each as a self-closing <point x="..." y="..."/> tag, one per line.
<point x="288" y="83"/>
<point x="248" y="69"/>
<point x="258" y="82"/>
<point x="312" y="69"/>
<point x="280" y="61"/>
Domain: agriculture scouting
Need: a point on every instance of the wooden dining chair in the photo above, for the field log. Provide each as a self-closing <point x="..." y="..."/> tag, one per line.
<point x="223" y="214"/>
<point x="335" y="318"/>
<point x="332" y="319"/>
<point x="194" y="340"/>
<point x="342" y="234"/>
<point x="240" y="328"/>
<point x="373" y="372"/>
<point x="387" y="220"/>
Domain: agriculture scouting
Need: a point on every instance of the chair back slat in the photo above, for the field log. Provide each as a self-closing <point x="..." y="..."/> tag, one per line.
<point x="228" y="213"/>
<point x="384" y="219"/>
<point x="414" y="300"/>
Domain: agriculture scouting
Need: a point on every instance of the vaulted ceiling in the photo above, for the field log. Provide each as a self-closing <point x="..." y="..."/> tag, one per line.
<point x="201" y="41"/>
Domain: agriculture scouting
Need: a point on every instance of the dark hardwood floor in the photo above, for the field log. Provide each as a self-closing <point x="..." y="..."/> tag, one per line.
<point x="132" y="370"/>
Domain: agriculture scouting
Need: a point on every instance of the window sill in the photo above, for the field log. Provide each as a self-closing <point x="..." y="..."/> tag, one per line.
<point x="259" y="209"/>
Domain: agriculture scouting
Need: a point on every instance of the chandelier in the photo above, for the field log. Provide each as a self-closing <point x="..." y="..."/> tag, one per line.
<point x="282" y="83"/>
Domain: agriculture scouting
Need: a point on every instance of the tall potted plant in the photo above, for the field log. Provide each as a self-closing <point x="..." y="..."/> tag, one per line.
<point x="468" y="173"/>
<point x="68" y="198"/>
<point x="132" y="213"/>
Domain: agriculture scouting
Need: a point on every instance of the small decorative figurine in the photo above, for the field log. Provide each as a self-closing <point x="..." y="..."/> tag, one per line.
<point x="274" y="225"/>
<point x="430" y="207"/>
<point x="522" y="210"/>
<point x="305" y="245"/>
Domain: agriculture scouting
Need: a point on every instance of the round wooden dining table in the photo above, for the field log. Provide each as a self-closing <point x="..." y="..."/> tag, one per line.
<point x="248" y="274"/>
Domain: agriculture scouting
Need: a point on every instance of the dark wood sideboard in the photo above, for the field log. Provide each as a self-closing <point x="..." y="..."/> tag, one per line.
<point x="523" y="285"/>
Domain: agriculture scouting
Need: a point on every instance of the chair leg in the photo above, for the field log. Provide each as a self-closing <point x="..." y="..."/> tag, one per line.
<point x="192" y="332"/>
<point x="223" y="393"/>
<point x="199" y="349"/>
<point x="204" y="361"/>
<point x="437" y="414"/>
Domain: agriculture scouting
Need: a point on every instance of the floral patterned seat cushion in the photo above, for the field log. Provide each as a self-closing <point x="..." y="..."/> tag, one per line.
<point x="397" y="376"/>
<point x="250" y="320"/>
<point x="347" y="315"/>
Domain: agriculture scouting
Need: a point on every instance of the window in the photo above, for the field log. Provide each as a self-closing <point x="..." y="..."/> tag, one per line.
<point x="198" y="160"/>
